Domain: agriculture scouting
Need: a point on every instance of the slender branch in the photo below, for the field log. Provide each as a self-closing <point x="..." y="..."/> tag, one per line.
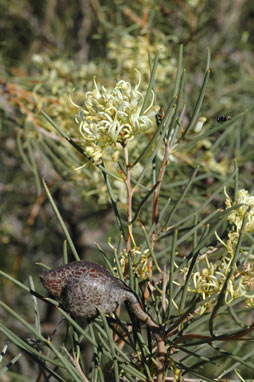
<point x="76" y="364"/>
<point x="156" y="203"/>
<point x="129" y="197"/>
<point x="161" y="357"/>
<point x="157" y="190"/>
<point x="160" y="340"/>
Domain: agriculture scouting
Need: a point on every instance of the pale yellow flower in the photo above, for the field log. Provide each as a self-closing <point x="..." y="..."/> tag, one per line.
<point x="237" y="216"/>
<point x="132" y="52"/>
<point x="200" y="124"/>
<point x="140" y="261"/>
<point x="113" y="116"/>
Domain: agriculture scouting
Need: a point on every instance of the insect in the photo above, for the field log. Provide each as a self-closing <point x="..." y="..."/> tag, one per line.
<point x="160" y="116"/>
<point x="223" y="118"/>
<point x="83" y="287"/>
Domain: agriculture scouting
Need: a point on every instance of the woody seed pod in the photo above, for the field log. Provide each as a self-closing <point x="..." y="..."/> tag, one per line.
<point x="83" y="287"/>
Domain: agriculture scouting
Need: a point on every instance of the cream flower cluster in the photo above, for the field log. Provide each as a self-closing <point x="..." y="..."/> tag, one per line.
<point x="131" y="52"/>
<point x="246" y="284"/>
<point x="140" y="262"/>
<point x="237" y="216"/>
<point x="113" y="116"/>
<point x="210" y="280"/>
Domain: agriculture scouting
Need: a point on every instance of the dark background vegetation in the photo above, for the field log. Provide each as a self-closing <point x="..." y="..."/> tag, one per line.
<point x="78" y="33"/>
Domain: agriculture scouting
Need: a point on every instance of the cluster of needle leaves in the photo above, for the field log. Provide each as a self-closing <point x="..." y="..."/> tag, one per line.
<point x="170" y="232"/>
<point x="164" y="226"/>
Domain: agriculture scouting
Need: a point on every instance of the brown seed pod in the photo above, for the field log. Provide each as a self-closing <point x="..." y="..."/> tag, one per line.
<point x="83" y="287"/>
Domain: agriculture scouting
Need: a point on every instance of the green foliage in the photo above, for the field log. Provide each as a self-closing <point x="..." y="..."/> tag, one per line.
<point x="175" y="217"/>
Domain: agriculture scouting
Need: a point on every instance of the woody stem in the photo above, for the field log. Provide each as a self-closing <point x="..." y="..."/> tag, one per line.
<point x="129" y="197"/>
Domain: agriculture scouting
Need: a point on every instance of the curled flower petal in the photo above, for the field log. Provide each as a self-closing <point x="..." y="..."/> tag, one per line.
<point x="113" y="116"/>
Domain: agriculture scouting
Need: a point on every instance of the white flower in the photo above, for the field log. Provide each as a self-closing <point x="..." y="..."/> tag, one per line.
<point x="140" y="261"/>
<point x="114" y="116"/>
<point x="200" y="124"/>
<point x="237" y="216"/>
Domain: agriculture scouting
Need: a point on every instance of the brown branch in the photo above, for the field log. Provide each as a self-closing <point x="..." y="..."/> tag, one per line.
<point x="223" y="337"/>
<point x="132" y="16"/>
<point x="160" y="340"/>
<point x="161" y="357"/>
<point x="136" y="19"/>
<point x="165" y="278"/>
<point x="129" y="197"/>
<point x="157" y="191"/>
<point x="34" y="213"/>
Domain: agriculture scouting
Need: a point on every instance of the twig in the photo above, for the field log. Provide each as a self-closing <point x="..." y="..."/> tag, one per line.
<point x="160" y="340"/>
<point x="165" y="278"/>
<point x="34" y="213"/>
<point x="157" y="191"/>
<point x="136" y="19"/>
<point x="161" y="357"/>
<point x="76" y="364"/>
<point x="129" y="197"/>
